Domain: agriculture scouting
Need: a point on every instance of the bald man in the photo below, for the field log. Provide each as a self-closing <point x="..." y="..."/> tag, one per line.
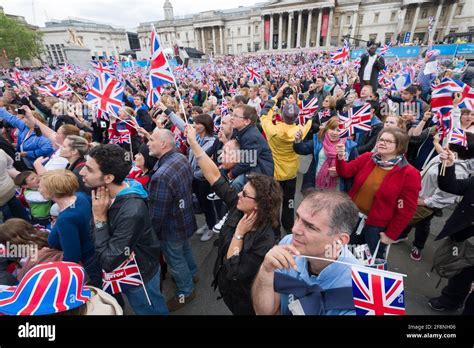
<point x="171" y="211"/>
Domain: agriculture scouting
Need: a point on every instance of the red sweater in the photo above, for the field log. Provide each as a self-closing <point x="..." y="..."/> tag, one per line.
<point x="395" y="202"/>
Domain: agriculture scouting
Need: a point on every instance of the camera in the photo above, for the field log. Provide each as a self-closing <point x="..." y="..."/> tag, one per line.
<point x="20" y="111"/>
<point x="288" y="91"/>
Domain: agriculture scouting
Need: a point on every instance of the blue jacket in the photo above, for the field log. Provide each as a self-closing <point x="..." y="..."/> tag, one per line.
<point x="34" y="146"/>
<point x="315" y="146"/>
<point x="72" y="231"/>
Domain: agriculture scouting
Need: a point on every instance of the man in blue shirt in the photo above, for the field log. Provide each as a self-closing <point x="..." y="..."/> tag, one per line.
<point x="322" y="229"/>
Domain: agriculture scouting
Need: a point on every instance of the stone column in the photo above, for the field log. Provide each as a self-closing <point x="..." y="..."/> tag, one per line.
<point x="203" y="40"/>
<point x="318" y="29"/>
<point x="308" y="30"/>
<point x="328" y="37"/>
<point x="341" y="26"/>
<point x="280" y="30"/>
<point x="436" y="21"/>
<point x="214" y="46"/>
<point x="271" y="33"/>
<point x="354" y="23"/>
<point x="289" y="36"/>
<point x="298" y="35"/>
<point x="196" y="38"/>
<point x="450" y="18"/>
<point x="415" y="21"/>
<point x="222" y="40"/>
<point x="401" y="20"/>
<point x="252" y="30"/>
<point x="262" y="34"/>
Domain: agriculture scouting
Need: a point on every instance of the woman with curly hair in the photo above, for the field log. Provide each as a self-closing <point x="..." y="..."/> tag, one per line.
<point x="248" y="233"/>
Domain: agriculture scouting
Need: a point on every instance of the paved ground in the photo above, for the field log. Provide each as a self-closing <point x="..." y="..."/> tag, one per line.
<point x="420" y="284"/>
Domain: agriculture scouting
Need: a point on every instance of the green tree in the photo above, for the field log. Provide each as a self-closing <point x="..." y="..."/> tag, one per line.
<point x="18" y="40"/>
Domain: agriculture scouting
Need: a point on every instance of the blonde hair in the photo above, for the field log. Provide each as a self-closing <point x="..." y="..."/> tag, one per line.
<point x="78" y="143"/>
<point x="60" y="183"/>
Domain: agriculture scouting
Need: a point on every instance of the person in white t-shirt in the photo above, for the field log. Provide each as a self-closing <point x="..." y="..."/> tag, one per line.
<point x="370" y="65"/>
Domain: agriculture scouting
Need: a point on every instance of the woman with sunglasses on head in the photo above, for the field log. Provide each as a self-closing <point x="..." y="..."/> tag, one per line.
<point x="385" y="189"/>
<point x="248" y="233"/>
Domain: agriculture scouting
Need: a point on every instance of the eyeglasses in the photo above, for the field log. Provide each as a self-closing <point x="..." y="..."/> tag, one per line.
<point x="246" y="195"/>
<point x="235" y="116"/>
<point x="386" y="141"/>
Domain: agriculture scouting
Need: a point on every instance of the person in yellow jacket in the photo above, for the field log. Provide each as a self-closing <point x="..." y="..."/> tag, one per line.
<point x="280" y="137"/>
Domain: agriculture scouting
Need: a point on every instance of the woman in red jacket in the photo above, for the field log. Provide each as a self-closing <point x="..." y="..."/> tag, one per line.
<point x="385" y="189"/>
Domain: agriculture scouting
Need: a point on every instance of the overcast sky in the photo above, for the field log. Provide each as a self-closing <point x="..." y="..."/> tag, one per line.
<point x="121" y="13"/>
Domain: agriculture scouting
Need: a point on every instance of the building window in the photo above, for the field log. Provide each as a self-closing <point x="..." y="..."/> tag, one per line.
<point x="361" y="19"/>
<point x="238" y="31"/>
<point x="372" y="37"/>
<point x="256" y="28"/>
<point x="228" y="32"/>
<point x="177" y="35"/>
<point x="239" y="48"/>
<point x="249" y="30"/>
<point x="443" y="12"/>
<point x="407" y="16"/>
<point x="336" y="21"/>
<point x="249" y="48"/>
<point x="166" y="37"/>
<point x="392" y="16"/>
<point x="187" y="36"/>
<point x="348" y="19"/>
<point x="376" y="18"/>
<point x="424" y="13"/>
<point x="388" y="37"/>
<point x="229" y="49"/>
<point x="459" y="11"/>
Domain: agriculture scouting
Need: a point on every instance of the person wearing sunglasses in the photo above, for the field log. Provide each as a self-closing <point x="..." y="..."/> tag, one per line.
<point x="247" y="234"/>
<point x="385" y="189"/>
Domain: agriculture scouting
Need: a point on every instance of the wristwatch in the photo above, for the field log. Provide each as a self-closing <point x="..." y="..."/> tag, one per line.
<point x="238" y="236"/>
<point x="100" y="224"/>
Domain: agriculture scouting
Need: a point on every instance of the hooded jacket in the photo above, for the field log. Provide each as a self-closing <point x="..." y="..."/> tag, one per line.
<point x="281" y="137"/>
<point x="128" y="229"/>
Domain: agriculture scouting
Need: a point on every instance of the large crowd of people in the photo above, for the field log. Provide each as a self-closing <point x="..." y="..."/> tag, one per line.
<point x="89" y="188"/>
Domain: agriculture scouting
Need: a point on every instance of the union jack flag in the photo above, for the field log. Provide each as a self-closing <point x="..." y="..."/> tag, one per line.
<point x="404" y="79"/>
<point x="356" y="63"/>
<point x="67" y="69"/>
<point x="59" y="89"/>
<point x="357" y="119"/>
<point x="432" y="54"/>
<point x="103" y="68"/>
<point x="385" y="48"/>
<point x="45" y="289"/>
<point x="377" y="292"/>
<point x="458" y="137"/>
<point x="442" y="95"/>
<point x="308" y="108"/>
<point x="106" y="93"/>
<point x="385" y="79"/>
<point x="340" y="56"/>
<point x="254" y="75"/>
<point x="153" y="95"/>
<point x="123" y="137"/>
<point x="125" y="276"/>
<point x="445" y="124"/>
<point x="160" y="71"/>
<point x="224" y="107"/>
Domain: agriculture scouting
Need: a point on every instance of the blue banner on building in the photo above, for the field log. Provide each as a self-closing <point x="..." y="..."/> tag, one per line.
<point x="465" y="49"/>
<point x="401" y="52"/>
<point x="446" y="50"/>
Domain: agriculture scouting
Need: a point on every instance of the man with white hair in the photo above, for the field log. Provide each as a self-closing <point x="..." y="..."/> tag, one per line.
<point x="171" y="211"/>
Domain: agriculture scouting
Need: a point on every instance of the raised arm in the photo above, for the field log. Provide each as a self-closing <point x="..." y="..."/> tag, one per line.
<point x="209" y="168"/>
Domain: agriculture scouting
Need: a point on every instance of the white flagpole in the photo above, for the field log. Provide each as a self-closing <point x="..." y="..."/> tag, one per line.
<point x="346" y="263"/>
<point x="144" y="287"/>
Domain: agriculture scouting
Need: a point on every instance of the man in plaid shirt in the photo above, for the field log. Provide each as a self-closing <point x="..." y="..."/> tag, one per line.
<point x="171" y="211"/>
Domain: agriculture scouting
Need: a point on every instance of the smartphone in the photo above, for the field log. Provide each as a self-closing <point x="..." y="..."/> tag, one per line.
<point x="20" y="111"/>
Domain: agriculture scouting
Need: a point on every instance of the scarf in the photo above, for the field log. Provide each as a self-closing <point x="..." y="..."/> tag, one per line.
<point x="323" y="180"/>
<point x="386" y="164"/>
